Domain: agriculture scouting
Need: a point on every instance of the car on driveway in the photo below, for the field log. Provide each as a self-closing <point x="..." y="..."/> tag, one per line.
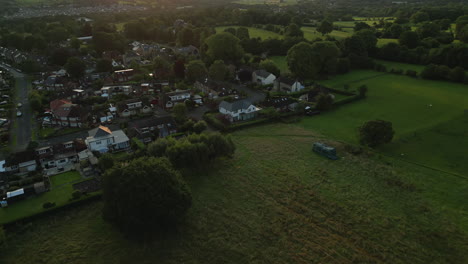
<point x="18" y="113"/>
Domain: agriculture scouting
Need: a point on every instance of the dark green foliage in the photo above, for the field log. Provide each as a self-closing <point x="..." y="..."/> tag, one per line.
<point x="224" y="46"/>
<point x="242" y="33"/>
<point x="199" y="126"/>
<point x="308" y="61"/>
<point x="463" y="34"/>
<point x="409" y="39"/>
<point x="196" y="70"/>
<point x="428" y="29"/>
<point x="457" y="74"/>
<point x="219" y="71"/>
<point x="368" y="37"/>
<point x="231" y="30"/>
<point x="419" y="17"/>
<point x="375" y="133"/>
<point x="104" y="65"/>
<point x="106" y="162"/>
<point x="343" y="65"/>
<point x="75" y="67"/>
<point x="76" y="195"/>
<point x="363" y="90"/>
<point x="294" y="30"/>
<point x="325" y="27"/>
<point x="361" y="25"/>
<point x="270" y="66"/>
<point x="48" y="205"/>
<point x="145" y="195"/>
<point x="324" y="102"/>
<point x="180" y="113"/>
<point x="194" y="151"/>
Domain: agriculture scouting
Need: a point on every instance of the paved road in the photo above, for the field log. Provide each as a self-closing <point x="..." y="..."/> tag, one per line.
<point x="21" y="126"/>
<point x="254" y="96"/>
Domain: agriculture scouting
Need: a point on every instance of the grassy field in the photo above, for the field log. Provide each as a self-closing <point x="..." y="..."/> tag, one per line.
<point x="278" y="202"/>
<point x="406" y="103"/>
<point x="60" y="193"/>
<point x="268" y="2"/>
<point x="255" y="32"/>
<point x="402" y="66"/>
<point x="383" y="41"/>
<point x="310" y="33"/>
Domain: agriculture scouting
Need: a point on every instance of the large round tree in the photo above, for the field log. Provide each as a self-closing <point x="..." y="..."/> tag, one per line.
<point x="224" y="46"/>
<point x="301" y="60"/>
<point x="144" y="195"/>
<point x="376" y="132"/>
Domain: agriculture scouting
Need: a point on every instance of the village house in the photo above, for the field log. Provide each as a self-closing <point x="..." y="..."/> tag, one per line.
<point x="263" y="77"/>
<point x="286" y="85"/>
<point x="149" y="129"/>
<point x="123" y="75"/>
<point x="59" y="157"/>
<point x="239" y="110"/>
<point x="133" y="107"/>
<point x="188" y="51"/>
<point x="214" y="90"/>
<point x="110" y="91"/>
<point x="66" y="114"/>
<point x="20" y="162"/>
<point x="281" y="103"/>
<point x="131" y="57"/>
<point x="103" y="140"/>
<point x="172" y="98"/>
<point x="54" y="83"/>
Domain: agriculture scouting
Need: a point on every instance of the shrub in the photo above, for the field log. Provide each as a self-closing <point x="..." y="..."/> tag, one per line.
<point x="76" y="195"/>
<point x="412" y="73"/>
<point x="47" y="205"/>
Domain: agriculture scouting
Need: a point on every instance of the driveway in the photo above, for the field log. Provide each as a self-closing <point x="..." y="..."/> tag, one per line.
<point x="21" y="126"/>
<point x="254" y="96"/>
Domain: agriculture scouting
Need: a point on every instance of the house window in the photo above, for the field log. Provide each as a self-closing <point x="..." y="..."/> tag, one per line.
<point x="69" y="145"/>
<point x="98" y="142"/>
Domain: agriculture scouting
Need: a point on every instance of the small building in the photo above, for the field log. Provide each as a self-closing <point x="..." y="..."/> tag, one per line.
<point x="149" y="129"/>
<point x="286" y="85"/>
<point x="172" y="98"/>
<point x="15" y="195"/>
<point x="263" y="77"/>
<point x="103" y="140"/>
<point x="239" y="110"/>
<point x="132" y="107"/>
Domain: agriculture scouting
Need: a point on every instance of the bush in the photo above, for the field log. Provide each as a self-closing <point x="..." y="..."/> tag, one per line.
<point x="412" y="73"/>
<point x="47" y="205"/>
<point x="76" y="195"/>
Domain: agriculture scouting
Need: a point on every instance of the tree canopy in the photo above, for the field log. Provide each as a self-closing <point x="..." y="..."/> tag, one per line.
<point x="144" y="195"/>
<point x="224" y="46"/>
<point x="375" y="133"/>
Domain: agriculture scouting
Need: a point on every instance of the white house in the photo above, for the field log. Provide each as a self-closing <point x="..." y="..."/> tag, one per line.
<point x="287" y="85"/>
<point x="239" y="110"/>
<point x="102" y="139"/>
<point x="263" y="77"/>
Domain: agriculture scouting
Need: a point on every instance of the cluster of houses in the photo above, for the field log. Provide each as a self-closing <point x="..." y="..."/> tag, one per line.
<point x="280" y="84"/>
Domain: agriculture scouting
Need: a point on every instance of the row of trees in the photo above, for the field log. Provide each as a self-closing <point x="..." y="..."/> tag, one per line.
<point x="148" y="194"/>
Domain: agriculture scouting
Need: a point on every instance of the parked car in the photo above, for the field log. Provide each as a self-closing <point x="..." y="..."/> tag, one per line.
<point x="20" y="104"/>
<point x="18" y="113"/>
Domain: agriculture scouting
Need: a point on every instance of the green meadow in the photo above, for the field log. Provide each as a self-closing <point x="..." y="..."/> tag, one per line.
<point x="276" y="201"/>
<point x="255" y="32"/>
<point x="424" y="115"/>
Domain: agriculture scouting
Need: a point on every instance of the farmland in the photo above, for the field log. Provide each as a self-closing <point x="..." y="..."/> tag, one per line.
<point x="415" y="107"/>
<point x="310" y="33"/>
<point x="277" y="202"/>
<point x="255" y="32"/>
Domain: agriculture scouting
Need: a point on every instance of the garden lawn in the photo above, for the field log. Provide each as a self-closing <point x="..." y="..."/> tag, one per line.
<point x="277" y="202"/>
<point x="59" y="194"/>
<point x="383" y="41"/>
<point x="405" y="102"/>
<point x="255" y="32"/>
<point x="281" y="62"/>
